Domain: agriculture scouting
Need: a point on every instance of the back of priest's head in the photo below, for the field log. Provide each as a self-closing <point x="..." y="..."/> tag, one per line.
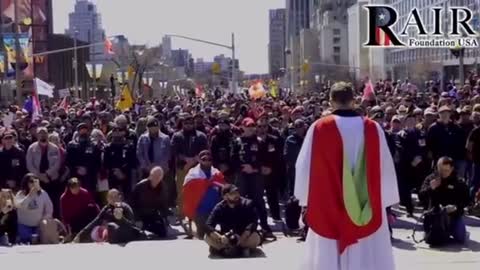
<point x="342" y="95"/>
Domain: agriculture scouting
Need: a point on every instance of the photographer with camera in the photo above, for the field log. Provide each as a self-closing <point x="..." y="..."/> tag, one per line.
<point x="33" y="206"/>
<point x="237" y="219"/>
<point x="8" y="218"/>
<point x="446" y="195"/>
<point x="114" y="224"/>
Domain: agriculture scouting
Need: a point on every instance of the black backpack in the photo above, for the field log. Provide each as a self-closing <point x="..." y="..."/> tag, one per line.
<point x="436" y="225"/>
<point x="293" y="211"/>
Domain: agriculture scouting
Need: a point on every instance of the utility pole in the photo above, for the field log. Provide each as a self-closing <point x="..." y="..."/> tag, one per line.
<point x="234" y="68"/>
<point x="461" y="67"/>
<point x="16" y="24"/>
<point x="75" y="64"/>
<point x="94" y="62"/>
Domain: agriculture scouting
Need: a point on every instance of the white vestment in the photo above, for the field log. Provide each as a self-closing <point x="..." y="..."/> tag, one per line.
<point x="370" y="253"/>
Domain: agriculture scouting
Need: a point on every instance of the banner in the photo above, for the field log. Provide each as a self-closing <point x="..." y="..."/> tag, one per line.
<point x="2" y="62"/>
<point x="9" y="43"/>
<point x="24" y="54"/>
<point x="43" y="88"/>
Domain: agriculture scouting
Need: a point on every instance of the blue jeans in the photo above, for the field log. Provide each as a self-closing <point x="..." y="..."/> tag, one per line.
<point x="458" y="230"/>
<point x="25" y="233"/>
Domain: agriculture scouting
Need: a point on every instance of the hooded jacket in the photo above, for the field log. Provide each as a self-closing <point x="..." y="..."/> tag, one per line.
<point x="73" y="207"/>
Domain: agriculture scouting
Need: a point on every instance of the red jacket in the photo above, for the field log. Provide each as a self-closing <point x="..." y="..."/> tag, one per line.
<point x="73" y="207"/>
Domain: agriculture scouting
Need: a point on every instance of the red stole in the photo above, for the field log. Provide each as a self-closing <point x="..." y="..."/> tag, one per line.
<point x="326" y="213"/>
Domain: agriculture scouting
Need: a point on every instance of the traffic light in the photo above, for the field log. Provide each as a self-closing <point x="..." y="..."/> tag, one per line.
<point x="457" y="51"/>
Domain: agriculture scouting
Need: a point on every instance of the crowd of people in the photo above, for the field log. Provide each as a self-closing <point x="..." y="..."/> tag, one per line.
<point x="111" y="175"/>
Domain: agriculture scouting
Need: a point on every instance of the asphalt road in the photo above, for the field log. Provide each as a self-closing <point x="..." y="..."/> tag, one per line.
<point x="193" y="254"/>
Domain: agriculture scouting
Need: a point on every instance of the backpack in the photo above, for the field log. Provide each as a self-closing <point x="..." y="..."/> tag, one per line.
<point x="50" y="231"/>
<point x="436" y="225"/>
<point x="293" y="211"/>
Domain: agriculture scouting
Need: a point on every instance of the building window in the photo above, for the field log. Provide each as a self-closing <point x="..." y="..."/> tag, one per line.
<point x="336" y="59"/>
<point x="336" y="40"/>
<point x="336" y="31"/>
<point x="336" y="49"/>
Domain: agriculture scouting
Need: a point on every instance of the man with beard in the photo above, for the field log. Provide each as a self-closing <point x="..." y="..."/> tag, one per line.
<point x="221" y="147"/>
<point x="186" y="144"/>
<point x="84" y="158"/>
<point x="12" y="162"/>
<point x="271" y="167"/>
<point x="446" y="138"/>
<point x="410" y="159"/>
<point x="119" y="159"/>
<point x="247" y="161"/>
<point x="43" y="159"/>
<point x="238" y="222"/>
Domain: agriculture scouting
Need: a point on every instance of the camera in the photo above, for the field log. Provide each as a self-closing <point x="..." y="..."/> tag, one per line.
<point x="232" y="238"/>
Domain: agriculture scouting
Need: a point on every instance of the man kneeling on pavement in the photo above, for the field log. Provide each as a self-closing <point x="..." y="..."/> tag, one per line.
<point x="444" y="190"/>
<point x="238" y="222"/>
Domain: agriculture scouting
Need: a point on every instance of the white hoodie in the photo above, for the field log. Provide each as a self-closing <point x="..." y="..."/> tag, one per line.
<point x="33" y="208"/>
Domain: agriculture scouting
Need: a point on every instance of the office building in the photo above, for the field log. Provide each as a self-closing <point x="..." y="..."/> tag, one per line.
<point x="276" y="45"/>
<point x="297" y="18"/>
<point x="363" y="61"/>
<point x="421" y="64"/>
<point x="85" y="23"/>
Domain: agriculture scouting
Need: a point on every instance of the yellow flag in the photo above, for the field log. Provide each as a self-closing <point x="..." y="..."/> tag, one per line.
<point x="126" y="100"/>
<point x="130" y="73"/>
<point x="273" y="89"/>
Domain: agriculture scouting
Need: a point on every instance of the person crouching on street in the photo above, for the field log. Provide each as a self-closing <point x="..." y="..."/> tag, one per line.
<point x="238" y="225"/>
<point x="114" y="224"/>
<point x="149" y="202"/>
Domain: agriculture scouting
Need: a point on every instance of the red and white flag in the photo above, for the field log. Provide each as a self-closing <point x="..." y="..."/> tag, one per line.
<point x="64" y="104"/>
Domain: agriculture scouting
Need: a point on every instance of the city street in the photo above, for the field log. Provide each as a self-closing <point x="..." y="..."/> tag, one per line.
<point x="185" y="254"/>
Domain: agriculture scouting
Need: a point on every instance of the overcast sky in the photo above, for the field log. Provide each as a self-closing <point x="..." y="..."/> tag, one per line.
<point x="146" y="21"/>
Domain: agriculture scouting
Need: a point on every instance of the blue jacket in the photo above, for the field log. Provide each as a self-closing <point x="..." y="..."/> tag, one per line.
<point x="161" y="153"/>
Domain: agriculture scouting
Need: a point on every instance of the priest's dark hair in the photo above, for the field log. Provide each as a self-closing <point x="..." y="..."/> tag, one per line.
<point x="342" y="93"/>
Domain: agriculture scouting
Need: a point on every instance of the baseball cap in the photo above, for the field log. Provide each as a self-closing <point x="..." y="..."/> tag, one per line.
<point x="42" y="129"/>
<point x="248" y="122"/>
<point x="82" y="126"/>
<point x="429" y="111"/>
<point x="444" y="109"/>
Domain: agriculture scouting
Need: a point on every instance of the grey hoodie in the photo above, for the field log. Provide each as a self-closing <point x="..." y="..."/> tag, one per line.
<point x="33" y="208"/>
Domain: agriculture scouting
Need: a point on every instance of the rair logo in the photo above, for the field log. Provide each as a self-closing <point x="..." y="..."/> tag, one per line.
<point x="382" y="18"/>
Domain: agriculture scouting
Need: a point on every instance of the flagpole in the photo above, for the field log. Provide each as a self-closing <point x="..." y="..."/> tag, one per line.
<point x="16" y="24"/>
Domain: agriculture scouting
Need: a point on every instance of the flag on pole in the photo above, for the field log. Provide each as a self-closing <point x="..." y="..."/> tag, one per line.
<point x="368" y="92"/>
<point x="199" y="92"/>
<point x="273" y="88"/>
<point x="126" y="100"/>
<point x="109" y="41"/>
<point x="36" y="107"/>
<point x="64" y="104"/>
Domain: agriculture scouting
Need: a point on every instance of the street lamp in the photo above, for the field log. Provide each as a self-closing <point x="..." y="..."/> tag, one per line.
<point x="75" y="63"/>
<point x="95" y="72"/>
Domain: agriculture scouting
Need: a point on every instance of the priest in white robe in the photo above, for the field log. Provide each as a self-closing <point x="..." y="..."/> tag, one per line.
<point x="345" y="177"/>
